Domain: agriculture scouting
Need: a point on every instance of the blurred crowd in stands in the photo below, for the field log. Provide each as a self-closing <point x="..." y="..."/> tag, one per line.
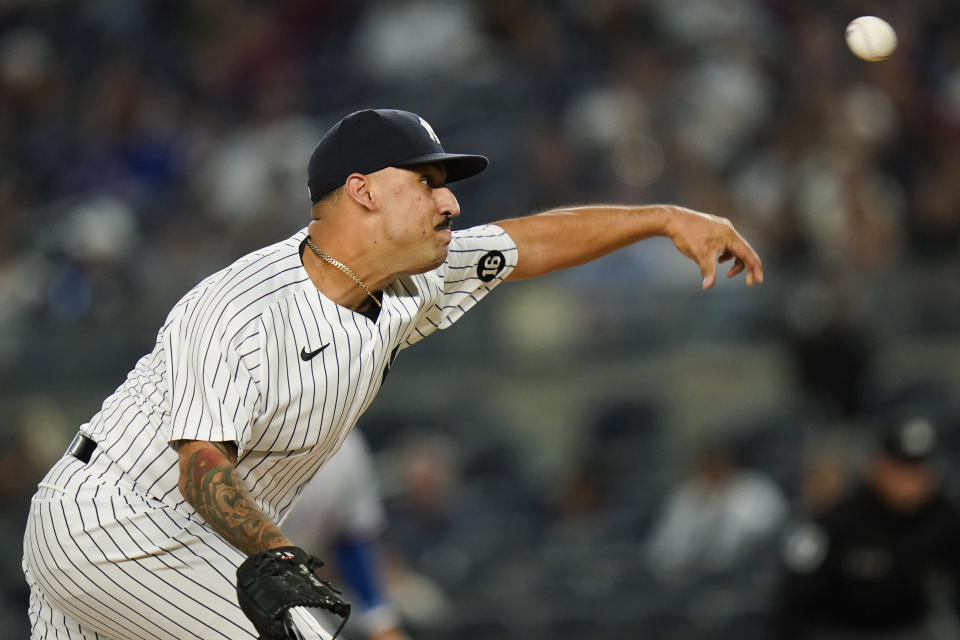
<point x="145" y="143"/>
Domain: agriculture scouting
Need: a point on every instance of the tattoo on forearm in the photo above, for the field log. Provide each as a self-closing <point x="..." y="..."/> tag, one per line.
<point x="216" y="492"/>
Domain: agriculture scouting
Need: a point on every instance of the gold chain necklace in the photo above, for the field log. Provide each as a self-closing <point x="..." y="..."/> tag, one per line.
<point x="342" y="267"/>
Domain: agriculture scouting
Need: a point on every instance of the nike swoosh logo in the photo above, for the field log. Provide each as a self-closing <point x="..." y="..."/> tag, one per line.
<point x="308" y="355"/>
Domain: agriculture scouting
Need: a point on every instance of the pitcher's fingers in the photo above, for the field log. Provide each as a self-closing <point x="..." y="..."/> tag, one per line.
<point x="745" y="252"/>
<point x="736" y="268"/>
<point x="757" y="272"/>
<point x="754" y="272"/>
<point x="708" y="269"/>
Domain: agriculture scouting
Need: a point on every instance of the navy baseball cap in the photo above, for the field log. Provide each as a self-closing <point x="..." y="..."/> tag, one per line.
<point x="374" y="139"/>
<point x="913" y="439"/>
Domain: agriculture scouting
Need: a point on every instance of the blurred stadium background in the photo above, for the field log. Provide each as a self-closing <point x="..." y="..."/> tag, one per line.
<point x="145" y="144"/>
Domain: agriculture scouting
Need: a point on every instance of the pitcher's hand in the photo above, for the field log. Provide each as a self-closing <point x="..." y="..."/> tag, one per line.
<point x="707" y="240"/>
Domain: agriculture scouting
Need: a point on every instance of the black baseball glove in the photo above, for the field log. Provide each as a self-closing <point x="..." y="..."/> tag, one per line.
<point x="272" y="581"/>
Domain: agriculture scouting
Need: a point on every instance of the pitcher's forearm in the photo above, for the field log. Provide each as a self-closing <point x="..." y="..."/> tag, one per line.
<point x="567" y="237"/>
<point x="208" y="481"/>
<point x="564" y="238"/>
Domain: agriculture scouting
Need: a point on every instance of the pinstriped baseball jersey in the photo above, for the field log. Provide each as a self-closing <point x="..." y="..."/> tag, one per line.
<point x="233" y="363"/>
<point x="254" y="354"/>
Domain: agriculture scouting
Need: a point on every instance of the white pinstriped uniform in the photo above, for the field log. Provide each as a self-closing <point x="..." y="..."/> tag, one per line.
<point x="112" y="549"/>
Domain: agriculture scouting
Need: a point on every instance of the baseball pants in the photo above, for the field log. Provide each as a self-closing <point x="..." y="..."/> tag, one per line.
<point x="105" y="563"/>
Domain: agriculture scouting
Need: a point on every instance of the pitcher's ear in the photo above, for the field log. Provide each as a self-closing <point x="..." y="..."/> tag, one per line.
<point x="358" y="188"/>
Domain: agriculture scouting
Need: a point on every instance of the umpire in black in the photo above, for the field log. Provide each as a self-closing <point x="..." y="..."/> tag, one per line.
<point x="876" y="564"/>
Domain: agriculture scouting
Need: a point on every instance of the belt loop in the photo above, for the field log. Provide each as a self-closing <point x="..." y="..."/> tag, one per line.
<point x="82" y="447"/>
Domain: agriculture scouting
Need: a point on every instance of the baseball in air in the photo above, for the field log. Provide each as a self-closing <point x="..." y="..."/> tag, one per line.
<point x="871" y="38"/>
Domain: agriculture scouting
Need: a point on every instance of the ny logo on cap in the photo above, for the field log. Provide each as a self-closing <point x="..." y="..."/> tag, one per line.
<point x="430" y="131"/>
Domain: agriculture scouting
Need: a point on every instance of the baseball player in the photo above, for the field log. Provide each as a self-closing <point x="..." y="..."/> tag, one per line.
<point x="162" y="519"/>
<point x="882" y="562"/>
<point x="341" y="512"/>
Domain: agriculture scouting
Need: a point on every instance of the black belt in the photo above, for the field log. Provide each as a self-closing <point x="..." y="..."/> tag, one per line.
<point x="82" y="448"/>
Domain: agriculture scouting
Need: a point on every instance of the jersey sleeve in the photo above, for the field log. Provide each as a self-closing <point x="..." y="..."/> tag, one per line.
<point x="478" y="260"/>
<point x="212" y="395"/>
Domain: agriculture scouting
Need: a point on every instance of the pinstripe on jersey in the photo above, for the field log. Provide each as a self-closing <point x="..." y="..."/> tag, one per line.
<point x="113" y="544"/>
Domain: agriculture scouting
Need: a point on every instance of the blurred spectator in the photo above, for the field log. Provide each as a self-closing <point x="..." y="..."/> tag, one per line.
<point x="935" y="226"/>
<point x="823" y="480"/>
<point x="340" y="516"/>
<point x="391" y="44"/>
<point x="423" y="507"/>
<point x="623" y="464"/>
<point x="713" y="521"/>
<point x="882" y="562"/>
<point x="831" y="346"/>
<point x="426" y="519"/>
<point x="20" y="466"/>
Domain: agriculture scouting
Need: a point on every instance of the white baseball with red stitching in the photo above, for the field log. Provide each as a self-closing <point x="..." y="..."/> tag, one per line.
<point x="871" y="38"/>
